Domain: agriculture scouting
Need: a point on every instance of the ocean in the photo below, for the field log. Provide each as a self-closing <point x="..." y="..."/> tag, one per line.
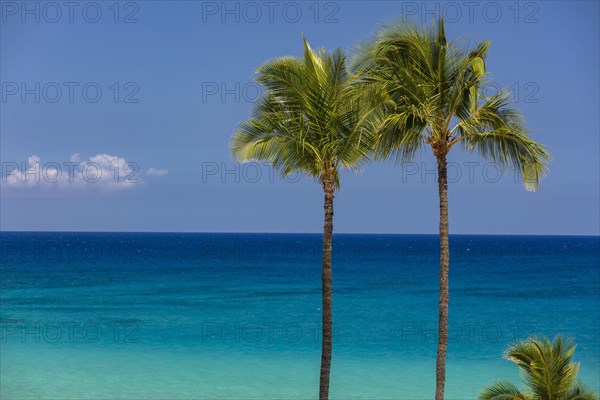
<point x="237" y="316"/>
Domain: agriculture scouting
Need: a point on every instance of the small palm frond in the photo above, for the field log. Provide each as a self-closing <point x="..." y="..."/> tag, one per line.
<point x="580" y="392"/>
<point x="502" y="390"/>
<point x="546" y="367"/>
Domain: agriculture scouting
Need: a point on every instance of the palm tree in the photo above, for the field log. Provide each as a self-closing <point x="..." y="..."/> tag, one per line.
<point x="437" y="96"/>
<point x="546" y="367"/>
<point x="311" y="120"/>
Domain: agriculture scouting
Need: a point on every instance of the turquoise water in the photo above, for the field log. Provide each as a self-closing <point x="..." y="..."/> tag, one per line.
<point x="236" y="316"/>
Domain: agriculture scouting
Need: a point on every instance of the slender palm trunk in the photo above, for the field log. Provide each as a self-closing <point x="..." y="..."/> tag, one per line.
<point x="440" y="372"/>
<point x="326" y="282"/>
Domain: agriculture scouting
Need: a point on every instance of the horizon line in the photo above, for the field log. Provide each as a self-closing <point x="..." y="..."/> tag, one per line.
<point x="301" y="233"/>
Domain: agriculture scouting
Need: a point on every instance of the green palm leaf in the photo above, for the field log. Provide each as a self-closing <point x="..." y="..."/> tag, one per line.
<point x="548" y="370"/>
<point x="502" y="390"/>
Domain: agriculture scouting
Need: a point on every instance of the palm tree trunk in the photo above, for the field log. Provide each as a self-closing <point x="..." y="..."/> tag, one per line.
<point x="326" y="283"/>
<point x="440" y="372"/>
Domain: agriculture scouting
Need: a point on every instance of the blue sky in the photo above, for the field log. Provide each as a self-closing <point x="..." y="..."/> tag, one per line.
<point x="163" y="92"/>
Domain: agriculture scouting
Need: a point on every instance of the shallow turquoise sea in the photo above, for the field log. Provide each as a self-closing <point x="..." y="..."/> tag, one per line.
<point x="236" y="316"/>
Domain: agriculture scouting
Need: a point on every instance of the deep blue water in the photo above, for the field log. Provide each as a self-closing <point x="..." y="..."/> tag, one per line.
<point x="170" y="315"/>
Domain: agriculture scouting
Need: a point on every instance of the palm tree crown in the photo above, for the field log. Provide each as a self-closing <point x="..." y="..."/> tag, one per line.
<point x="548" y="370"/>
<point x="437" y="94"/>
<point x="311" y="118"/>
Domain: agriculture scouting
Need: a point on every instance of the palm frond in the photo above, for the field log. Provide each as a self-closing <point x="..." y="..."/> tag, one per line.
<point x="498" y="133"/>
<point x="580" y="392"/>
<point x="547" y="368"/>
<point x="502" y="390"/>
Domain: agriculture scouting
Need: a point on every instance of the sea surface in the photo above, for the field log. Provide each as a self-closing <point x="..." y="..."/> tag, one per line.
<point x="237" y="316"/>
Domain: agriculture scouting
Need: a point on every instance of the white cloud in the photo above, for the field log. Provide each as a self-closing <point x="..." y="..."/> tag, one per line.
<point x="157" y="171"/>
<point x="33" y="159"/>
<point x="99" y="172"/>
